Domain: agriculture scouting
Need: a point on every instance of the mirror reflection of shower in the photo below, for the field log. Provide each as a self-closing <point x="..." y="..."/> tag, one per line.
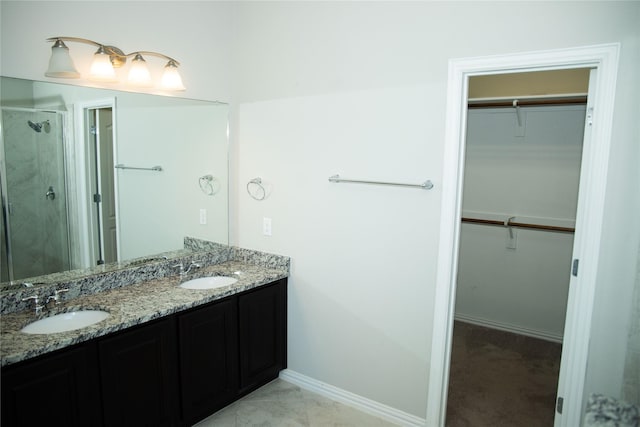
<point x="35" y="236"/>
<point x="38" y="127"/>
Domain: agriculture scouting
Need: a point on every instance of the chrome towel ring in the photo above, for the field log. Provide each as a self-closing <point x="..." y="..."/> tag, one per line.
<point x="207" y="184"/>
<point x="255" y="189"/>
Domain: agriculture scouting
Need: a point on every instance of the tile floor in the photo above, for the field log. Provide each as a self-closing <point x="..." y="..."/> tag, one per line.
<point x="282" y="404"/>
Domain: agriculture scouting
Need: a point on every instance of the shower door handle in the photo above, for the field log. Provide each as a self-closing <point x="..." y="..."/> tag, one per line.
<point x="51" y="195"/>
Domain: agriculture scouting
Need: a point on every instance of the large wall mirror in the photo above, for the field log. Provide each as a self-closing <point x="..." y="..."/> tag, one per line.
<point x="93" y="176"/>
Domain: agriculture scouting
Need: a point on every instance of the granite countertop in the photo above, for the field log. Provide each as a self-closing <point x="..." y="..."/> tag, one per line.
<point x="128" y="306"/>
<point x="604" y="411"/>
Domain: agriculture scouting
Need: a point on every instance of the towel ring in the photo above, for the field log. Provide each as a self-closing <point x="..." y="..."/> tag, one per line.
<point x="206" y="184"/>
<point x="261" y="193"/>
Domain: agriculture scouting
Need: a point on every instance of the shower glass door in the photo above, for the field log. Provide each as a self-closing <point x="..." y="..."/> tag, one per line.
<point x="34" y="215"/>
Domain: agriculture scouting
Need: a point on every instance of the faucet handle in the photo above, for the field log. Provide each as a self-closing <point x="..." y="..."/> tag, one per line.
<point x="56" y="295"/>
<point x="193" y="264"/>
<point x="36" y="300"/>
<point x="180" y="267"/>
<point x="33" y="297"/>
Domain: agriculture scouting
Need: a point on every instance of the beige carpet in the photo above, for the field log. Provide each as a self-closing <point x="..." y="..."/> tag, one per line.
<point x="501" y="379"/>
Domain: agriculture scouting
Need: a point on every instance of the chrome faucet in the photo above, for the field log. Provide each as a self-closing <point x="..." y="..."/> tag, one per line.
<point x="37" y="301"/>
<point x="182" y="271"/>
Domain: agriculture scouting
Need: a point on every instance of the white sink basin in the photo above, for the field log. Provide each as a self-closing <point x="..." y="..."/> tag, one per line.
<point x="64" y="322"/>
<point x="212" y="282"/>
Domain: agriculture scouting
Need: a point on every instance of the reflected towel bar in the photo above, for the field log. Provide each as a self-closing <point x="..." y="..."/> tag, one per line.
<point x="154" y="168"/>
<point x="427" y="185"/>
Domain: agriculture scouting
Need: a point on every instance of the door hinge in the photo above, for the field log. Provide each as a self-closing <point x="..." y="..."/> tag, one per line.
<point x="97" y="198"/>
<point x="574" y="269"/>
<point x="590" y="116"/>
<point x="93" y="130"/>
<point x="559" y="404"/>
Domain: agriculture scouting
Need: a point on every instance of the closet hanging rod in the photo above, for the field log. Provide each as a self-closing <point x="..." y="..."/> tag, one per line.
<point x="519" y="225"/>
<point x="527" y="102"/>
<point x="153" y="168"/>
<point x="427" y="185"/>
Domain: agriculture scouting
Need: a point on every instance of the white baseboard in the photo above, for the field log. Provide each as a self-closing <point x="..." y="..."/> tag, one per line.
<point x="361" y="403"/>
<point x="509" y="328"/>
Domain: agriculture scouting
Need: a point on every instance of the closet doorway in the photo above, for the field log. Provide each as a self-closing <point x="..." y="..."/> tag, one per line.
<point x="520" y="190"/>
<point x="603" y="62"/>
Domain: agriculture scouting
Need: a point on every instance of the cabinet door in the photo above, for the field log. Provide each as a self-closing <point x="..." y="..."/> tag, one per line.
<point x="139" y="376"/>
<point x="208" y="359"/>
<point x="58" y="389"/>
<point x="262" y="333"/>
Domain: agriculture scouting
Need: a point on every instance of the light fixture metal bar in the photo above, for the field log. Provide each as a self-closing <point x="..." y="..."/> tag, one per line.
<point x="74" y="39"/>
<point x="113" y="50"/>
<point x="61" y="65"/>
<point x="159" y="55"/>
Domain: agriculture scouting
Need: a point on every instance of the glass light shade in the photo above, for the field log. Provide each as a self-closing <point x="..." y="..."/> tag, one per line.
<point x="171" y="79"/>
<point x="139" y="72"/>
<point x="101" y="68"/>
<point x="60" y="64"/>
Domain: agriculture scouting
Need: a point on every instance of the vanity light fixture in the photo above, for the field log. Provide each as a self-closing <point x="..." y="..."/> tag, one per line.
<point x="106" y="59"/>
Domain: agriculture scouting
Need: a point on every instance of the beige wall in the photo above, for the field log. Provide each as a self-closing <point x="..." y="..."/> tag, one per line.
<point x="360" y="89"/>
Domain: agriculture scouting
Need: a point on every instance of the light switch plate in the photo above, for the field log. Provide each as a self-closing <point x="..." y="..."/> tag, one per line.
<point x="266" y="226"/>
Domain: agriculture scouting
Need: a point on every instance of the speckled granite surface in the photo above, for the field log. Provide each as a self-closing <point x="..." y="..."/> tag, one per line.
<point x="102" y="278"/>
<point x="70" y="275"/>
<point x="604" y="411"/>
<point x="215" y="253"/>
<point x="132" y="296"/>
<point x="99" y="281"/>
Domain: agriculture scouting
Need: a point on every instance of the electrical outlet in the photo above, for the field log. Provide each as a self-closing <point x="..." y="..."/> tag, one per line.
<point x="203" y="216"/>
<point x="266" y="226"/>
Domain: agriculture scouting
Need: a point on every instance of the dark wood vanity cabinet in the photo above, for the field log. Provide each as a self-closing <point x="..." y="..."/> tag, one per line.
<point x="262" y="316"/>
<point x="231" y="347"/>
<point x="139" y="381"/>
<point x="56" y="389"/>
<point x="169" y="372"/>
<point x="208" y="359"/>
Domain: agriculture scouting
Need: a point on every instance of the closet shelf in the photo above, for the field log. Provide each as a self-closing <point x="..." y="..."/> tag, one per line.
<point x="518" y="224"/>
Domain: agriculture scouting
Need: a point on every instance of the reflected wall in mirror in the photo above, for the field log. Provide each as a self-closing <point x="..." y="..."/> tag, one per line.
<point x="78" y="187"/>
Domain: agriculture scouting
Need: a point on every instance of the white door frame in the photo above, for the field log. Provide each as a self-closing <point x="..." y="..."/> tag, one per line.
<point x="85" y="239"/>
<point x="593" y="176"/>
